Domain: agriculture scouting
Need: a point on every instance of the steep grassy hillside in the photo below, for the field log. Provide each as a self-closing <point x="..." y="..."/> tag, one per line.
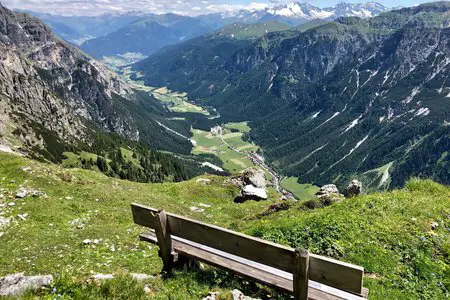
<point x="389" y="234"/>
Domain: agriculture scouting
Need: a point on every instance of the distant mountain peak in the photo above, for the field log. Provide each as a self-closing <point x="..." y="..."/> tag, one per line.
<point x="299" y="10"/>
<point x="362" y="10"/>
<point x="307" y="11"/>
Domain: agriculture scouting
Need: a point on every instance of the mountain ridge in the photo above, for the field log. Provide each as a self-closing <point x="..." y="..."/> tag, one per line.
<point x="52" y="93"/>
<point x="146" y="36"/>
<point x="356" y="82"/>
<point x="102" y="36"/>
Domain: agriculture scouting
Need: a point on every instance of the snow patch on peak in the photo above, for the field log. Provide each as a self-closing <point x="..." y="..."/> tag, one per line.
<point x="290" y="10"/>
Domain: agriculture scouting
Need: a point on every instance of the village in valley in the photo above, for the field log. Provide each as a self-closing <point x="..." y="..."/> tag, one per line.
<point x="253" y="154"/>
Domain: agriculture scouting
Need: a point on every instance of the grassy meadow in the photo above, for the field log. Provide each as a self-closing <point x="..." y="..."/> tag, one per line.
<point x="232" y="161"/>
<point x="388" y="233"/>
<point x="301" y="191"/>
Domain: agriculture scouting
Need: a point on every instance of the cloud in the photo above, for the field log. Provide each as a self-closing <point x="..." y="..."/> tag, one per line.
<point x="96" y="7"/>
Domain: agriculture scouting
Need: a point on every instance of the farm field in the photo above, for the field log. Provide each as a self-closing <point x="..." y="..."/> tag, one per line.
<point x="301" y="191"/>
<point x="232" y="160"/>
<point x="176" y="102"/>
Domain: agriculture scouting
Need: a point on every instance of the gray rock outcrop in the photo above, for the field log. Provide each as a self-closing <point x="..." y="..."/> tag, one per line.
<point x="252" y="192"/>
<point x="203" y="181"/>
<point x="329" y="194"/>
<point x="17" y="284"/>
<point x="23" y="193"/>
<point x="252" y="182"/>
<point x="353" y="189"/>
<point x="255" y="177"/>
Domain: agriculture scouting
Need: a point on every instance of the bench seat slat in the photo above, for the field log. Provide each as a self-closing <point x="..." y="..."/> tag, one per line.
<point x="248" y="269"/>
<point x="327" y="271"/>
<point x="220" y="238"/>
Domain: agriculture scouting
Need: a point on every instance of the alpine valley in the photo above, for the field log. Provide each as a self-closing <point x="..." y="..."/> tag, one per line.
<point x="296" y="151"/>
<point x="366" y="98"/>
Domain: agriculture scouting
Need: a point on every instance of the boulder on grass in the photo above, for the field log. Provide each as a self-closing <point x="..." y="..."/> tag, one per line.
<point x="255" y="193"/>
<point x="238" y="295"/>
<point x="353" y="189"/>
<point x="255" y="177"/>
<point x="212" y="296"/>
<point x="329" y="194"/>
<point x="249" y="192"/>
<point x="17" y="284"/>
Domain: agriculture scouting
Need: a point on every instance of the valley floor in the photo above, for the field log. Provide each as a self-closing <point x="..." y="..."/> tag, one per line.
<point x="231" y="145"/>
<point x="390" y="234"/>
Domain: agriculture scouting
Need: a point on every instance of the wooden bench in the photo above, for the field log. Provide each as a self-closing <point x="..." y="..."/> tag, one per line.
<point x="305" y="275"/>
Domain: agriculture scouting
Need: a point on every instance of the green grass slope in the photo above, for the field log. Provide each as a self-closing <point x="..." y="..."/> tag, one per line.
<point x="389" y="234"/>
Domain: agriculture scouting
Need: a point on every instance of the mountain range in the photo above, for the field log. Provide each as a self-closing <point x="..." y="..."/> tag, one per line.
<point x="146" y="33"/>
<point x="77" y="29"/>
<point x="354" y="97"/>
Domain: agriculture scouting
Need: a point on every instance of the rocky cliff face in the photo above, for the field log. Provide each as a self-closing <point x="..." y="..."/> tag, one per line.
<point x="47" y="86"/>
<point x="355" y="96"/>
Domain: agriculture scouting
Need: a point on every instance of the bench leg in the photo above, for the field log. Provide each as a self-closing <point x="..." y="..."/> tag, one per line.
<point x="301" y="275"/>
<point x="164" y="241"/>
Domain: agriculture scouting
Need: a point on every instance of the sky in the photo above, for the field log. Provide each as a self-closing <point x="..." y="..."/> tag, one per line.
<point x="186" y="7"/>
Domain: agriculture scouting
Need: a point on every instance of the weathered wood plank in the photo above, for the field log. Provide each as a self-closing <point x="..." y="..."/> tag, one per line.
<point x="164" y="240"/>
<point x="149" y="237"/>
<point x="324" y="270"/>
<point x="143" y="215"/>
<point x="283" y="282"/>
<point x="252" y="273"/>
<point x="255" y="249"/>
<point x="301" y="276"/>
<point x="335" y="273"/>
<point x="365" y="293"/>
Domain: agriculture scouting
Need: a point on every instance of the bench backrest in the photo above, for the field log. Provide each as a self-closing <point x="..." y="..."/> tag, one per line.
<point x="340" y="275"/>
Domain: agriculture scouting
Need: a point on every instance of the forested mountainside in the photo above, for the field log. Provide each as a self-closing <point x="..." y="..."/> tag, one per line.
<point x="355" y="97"/>
<point x="54" y="98"/>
